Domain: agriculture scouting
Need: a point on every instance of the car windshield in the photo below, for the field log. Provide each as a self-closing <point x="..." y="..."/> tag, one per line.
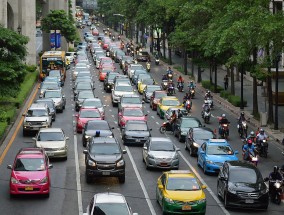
<point x="37" y="112"/>
<point x="106" y="61"/>
<point x="51" y="79"/>
<point x="54" y="73"/>
<point x="50" y="85"/>
<point x="83" y="79"/>
<point x="160" y="95"/>
<point x="29" y="164"/>
<point x="50" y="136"/>
<point x="86" y="95"/>
<point x="136" y="127"/>
<point x="83" y="86"/>
<point x="189" y="123"/>
<point x="111" y="76"/>
<point x="168" y="102"/>
<point x="52" y="94"/>
<point x="186" y="184"/>
<point x="90" y="114"/>
<point x="97" y="126"/>
<point x="124" y="88"/>
<point x="162" y="146"/>
<point x="50" y="104"/>
<point x="151" y="89"/>
<point x="133" y="112"/>
<point x="110" y="209"/>
<point x="131" y="100"/>
<point x="92" y="103"/>
<point x="148" y="81"/>
<point x="136" y="67"/>
<point x="104" y="149"/>
<point x="239" y="175"/>
<point x="137" y="72"/>
<point x="143" y="53"/>
<point x="219" y="150"/>
<point x="143" y="76"/>
<point x="203" y="135"/>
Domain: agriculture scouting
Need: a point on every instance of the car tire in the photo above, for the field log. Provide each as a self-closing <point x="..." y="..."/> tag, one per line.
<point x="65" y="158"/>
<point x="204" y="169"/>
<point x="121" y="179"/>
<point x="180" y="138"/>
<point x="47" y="195"/>
<point x="225" y="201"/>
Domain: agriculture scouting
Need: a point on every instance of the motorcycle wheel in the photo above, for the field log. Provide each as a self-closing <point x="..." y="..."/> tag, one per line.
<point x="162" y="129"/>
<point x="277" y="199"/>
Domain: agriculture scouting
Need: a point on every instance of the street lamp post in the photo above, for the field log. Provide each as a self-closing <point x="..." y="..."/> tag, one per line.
<point x="277" y="60"/>
<point x="120" y="23"/>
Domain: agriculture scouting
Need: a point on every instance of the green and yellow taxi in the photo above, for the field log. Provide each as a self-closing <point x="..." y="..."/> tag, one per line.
<point x="167" y="102"/>
<point x="180" y="192"/>
<point x="144" y="82"/>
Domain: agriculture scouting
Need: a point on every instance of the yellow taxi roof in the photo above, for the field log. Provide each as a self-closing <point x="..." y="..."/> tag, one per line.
<point x="180" y="173"/>
<point x="170" y="98"/>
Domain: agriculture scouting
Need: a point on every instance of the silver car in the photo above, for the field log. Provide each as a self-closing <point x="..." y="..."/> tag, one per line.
<point x="160" y="152"/>
<point x="119" y="91"/>
<point x="53" y="140"/>
<point x="58" y="98"/>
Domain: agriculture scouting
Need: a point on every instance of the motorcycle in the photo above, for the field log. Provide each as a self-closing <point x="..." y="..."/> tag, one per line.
<point x="278" y="189"/>
<point x="157" y="61"/>
<point x="250" y="156"/>
<point x="148" y="66"/>
<point x="113" y="38"/>
<point x="192" y="92"/>
<point x="206" y="116"/>
<point x="128" y="50"/>
<point x="210" y="102"/>
<point x="170" y="76"/>
<point x="187" y="105"/>
<point x="164" y="84"/>
<point x="262" y="148"/>
<point x="180" y="86"/>
<point x="132" y="53"/>
<point x="107" y="53"/>
<point x="224" y="131"/>
<point x="243" y="129"/>
<point x="170" y="90"/>
<point x="166" y="126"/>
<point x="118" y="37"/>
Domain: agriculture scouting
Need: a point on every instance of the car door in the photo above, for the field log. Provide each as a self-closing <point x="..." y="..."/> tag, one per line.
<point x="160" y="191"/>
<point x="201" y="154"/>
<point x="224" y="174"/>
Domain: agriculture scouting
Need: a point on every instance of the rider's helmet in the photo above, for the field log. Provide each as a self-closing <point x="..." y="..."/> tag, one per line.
<point x="249" y="142"/>
<point x="242" y="114"/>
<point x="261" y="131"/>
<point x="223" y="116"/>
<point x="275" y="169"/>
<point x="169" y="68"/>
<point x="208" y="92"/>
<point x="252" y="134"/>
<point x="191" y="82"/>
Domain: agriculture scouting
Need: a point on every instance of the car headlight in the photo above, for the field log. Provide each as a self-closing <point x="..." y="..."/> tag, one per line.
<point x="209" y="162"/>
<point x="14" y="181"/>
<point x="231" y="190"/>
<point x="27" y="124"/>
<point x="45" y="123"/>
<point x="200" y="201"/>
<point x="62" y="148"/>
<point x="169" y="200"/>
<point x="183" y="133"/>
<point x="175" y="156"/>
<point x="91" y="163"/>
<point x="88" y="137"/>
<point x="120" y="163"/>
<point x="264" y="191"/>
<point x="195" y="144"/>
<point x="151" y="156"/>
<point x="126" y="136"/>
<point x="44" y="180"/>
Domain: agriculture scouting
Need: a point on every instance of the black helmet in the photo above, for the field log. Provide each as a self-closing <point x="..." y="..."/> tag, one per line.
<point x="252" y="134"/>
<point x="275" y="169"/>
<point x="261" y="131"/>
<point x="242" y="114"/>
<point x="173" y="112"/>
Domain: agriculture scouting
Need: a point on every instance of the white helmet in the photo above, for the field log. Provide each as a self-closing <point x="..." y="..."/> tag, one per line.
<point x="206" y="102"/>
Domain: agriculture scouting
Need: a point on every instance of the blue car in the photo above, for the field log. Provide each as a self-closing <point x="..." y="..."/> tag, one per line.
<point x="213" y="153"/>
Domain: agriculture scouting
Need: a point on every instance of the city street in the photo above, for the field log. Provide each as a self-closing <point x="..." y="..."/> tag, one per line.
<point x="70" y="194"/>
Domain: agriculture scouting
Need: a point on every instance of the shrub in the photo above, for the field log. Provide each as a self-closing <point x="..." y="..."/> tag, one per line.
<point x="71" y="49"/>
<point x="225" y="94"/>
<point x="3" y="126"/>
<point x="206" y="84"/>
<point x="236" y="100"/>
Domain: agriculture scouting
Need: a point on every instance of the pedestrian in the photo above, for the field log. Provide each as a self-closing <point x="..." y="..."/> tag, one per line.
<point x="226" y="82"/>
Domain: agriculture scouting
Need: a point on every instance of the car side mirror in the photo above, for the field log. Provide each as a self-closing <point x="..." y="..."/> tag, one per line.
<point x="143" y="102"/>
<point x="145" y="147"/>
<point x="177" y="149"/>
<point x="50" y="166"/>
<point x="67" y="138"/>
<point x="104" y="105"/>
<point x="124" y="151"/>
<point x="9" y="166"/>
<point x="160" y="186"/>
<point x="150" y="129"/>
<point x="34" y="138"/>
<point x="203" y="186"/>
<point x="85" y="151"/>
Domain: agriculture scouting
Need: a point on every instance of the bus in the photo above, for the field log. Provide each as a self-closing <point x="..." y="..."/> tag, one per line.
<point x="52" y="60"/>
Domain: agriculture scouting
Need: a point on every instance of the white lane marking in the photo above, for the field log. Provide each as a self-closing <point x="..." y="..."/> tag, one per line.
<point x="38" y="46"/>
<point x="203" y="182"/>
<point x="153" y="212"/>
<point x="152" y="117"/>
<point x="157" y="123"/>
<point x="79" y="193"/>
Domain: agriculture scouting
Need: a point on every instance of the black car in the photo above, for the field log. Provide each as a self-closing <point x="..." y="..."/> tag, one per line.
<point x="108" y="82"/>
<point x="143" y="56"/>
<point x="81" y="96"/>
<point x="241" y="185"/>
<point x="183" y="124"/>
<point x="148" y="92"/>
<point x="195" y="137"/>
<point x="95" y="128"/>
<point x="104" y="158"/>
<point x="135" y="133"/>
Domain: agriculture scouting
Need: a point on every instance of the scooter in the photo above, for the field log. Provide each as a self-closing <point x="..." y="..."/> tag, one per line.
<point x="262" y="148"/>
<point x="164" y="84"/>
<point x="166" y="126"/>
<point x="170" y="91"/>
<point x="180" y="86"/>
<point x="206" y="116"/>
<point x="187" y="105"/>
<point x="170" y="76"/>
<point x="243" y="129"/>
<point x="251" y="156"/>
<point x="192" y="92"/>
<point x="157" y="61"/>
<point x="278" y="185"/>
<point x="224" y="131"/>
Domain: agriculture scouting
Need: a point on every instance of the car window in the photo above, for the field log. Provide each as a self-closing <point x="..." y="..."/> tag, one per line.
<point x="203" y="135"/>
<point x="104" y="149"/>
<point x="37" y="112"/>
<point x="50" y="136"/>
<point x="167" y="102"/>
<point x="219" y="150"/>
<point x="110" y="209"/>
<point x="99" y="126"/>
<point x="136" y="127"/>
<point x="133" y="112"/>
<point x="161" y="146"/>
<point x="90" y="114"/>
<point x="92" y="103"/>
<point x="52" y="94"/>
<point x="240" y="175"/>
<point x="186" y="123"/>
<point x="130" y="100"/>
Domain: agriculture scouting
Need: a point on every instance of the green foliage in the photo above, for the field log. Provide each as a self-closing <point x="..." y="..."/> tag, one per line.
<point x="3" y="127"/>
<point x="207" y="85"/>
<point x="225" y="94"/>
<point x="236" y="100"/>
<point x="59" y="20"/>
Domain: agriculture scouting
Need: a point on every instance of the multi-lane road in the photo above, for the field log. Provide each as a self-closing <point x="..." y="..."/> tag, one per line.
<point x="70" y="194"/>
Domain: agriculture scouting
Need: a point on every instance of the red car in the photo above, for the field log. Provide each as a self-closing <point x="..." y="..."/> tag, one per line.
<point x="86" y="114"/>
<point x="155" y="98"/>
<point x="30" y="172"/>
<point x="95" y="32"/>
<point x="105" y="60"/>
<point x="103" y="72"/>
<point x="130" y="113"/>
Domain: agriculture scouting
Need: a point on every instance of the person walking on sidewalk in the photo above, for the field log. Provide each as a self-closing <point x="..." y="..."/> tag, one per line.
<point x="226" y="82"/>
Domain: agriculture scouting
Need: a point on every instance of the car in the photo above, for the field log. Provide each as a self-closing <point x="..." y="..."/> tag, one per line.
<point x="95" y="32"/>
<point x="104" y="158"/>
<point x="48" y="85"/>
<point x="169" y="112"/>
<point x="165" y="103"/>
<point x="98" y="58"/>
<point x="94" y="103"/>
<point x="135" y="75"/>
<point x="105" y="60"/>
<point x="144" y="82"/>
<point x="129" y="101"/>
<point x="77" y="70"/>
<point x="143" y="56"/>
<point x="160" y="152"/>
<point x="148" y="92"/>
<point x="52" y="79"/>
<point x="108" y="82"/>
<point x="54" y="142"/>
<point x="156" y="98"/>
<point x="57" y="74"/>
<point x="38" y="116"/>
<point x="130" y="113"/>
<point x="195" y="137"/>
<point x="84" y="74"/>
<point x="119" y="90"/>
<point x="241" y="185"/>
<point x="126" y="60"/>
<point x="213" y="153"/>
<point x="30" y="173"/>
<point x="135" y="132"/>
<point x="140" y="77"/>
<point x="86" y="115"/>
<point x="82" y="86"/>
<point x="132" y="67"/>
<point x="86" y="94"/>
<point x="51" y="106"/>
<point x="108" y="203"/>
<point x="183" y="124"/>
<point x="96" y="128"/>
<point x="118" y="56"/>
<point x="70" y="56"/>
<point x="58" y="98"/>
<point x="103" y="73"/>
<point x="180" y="192"/>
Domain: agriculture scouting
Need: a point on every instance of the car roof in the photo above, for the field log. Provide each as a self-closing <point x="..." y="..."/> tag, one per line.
<point x="170" y="98"/>
<point x="38" y="106"/>
<point x="31" y="153"/>
<point x="202" y="129"/>
<point x="103" y="140"/>
<point x="160" y="139"/>
<point x="180" y="173"/>
<point x="109" y="198"/>
<point x="135" y="122"/>
<point x="240" y="164"/>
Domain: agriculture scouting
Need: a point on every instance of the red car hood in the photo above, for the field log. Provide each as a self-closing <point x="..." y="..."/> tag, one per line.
<point x="29" y="175"/>
<point x="85" y="120"/>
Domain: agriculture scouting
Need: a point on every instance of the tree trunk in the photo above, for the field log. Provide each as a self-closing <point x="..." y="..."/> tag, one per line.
<point x="170" y="54"/>
<point x="232" y="80"/>
<point x="215" y="81"/>
<point x="270" y="118"/>
<point x="255" y="102"/>
<point x="152" y="39"/>
<point x="199" y="78"/>
<point x="184" y="61"/>
<point x="164" y="44"/>
<point x="137" y="33"/>
<point x="158" y="42"/>
<point x="238" y="74"/>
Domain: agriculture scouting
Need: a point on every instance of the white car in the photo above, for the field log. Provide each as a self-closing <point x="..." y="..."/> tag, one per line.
<point x="132" y="68"/>
<point x="70" y="56"/>
<point x="119" y="90"/>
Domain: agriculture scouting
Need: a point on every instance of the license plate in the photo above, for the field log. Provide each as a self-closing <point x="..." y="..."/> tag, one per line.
<point x="137" y="140"/>
<point x="29" y="188"/>
<point x="186" y="207"/>
<point x="50" y="154"/>
<point x="106" y="173"/>
<point x="249" y="201"/>
<point x="164" y="164"/>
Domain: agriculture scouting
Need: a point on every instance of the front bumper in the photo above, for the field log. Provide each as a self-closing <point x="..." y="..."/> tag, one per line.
<point x="33" y="189"/>
<point x="105" y="173"/>
<point x="56" y="153"/>
<point x="116" y="99"/>
<point x="212" y="168"/>
<point x="162" y="164"/>
<point x="134" y="140"/>
<point x="34" y="127"/>
<point x="178" y="207"/>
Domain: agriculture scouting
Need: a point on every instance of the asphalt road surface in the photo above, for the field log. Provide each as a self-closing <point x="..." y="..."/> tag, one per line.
<point x="70" y="194"/>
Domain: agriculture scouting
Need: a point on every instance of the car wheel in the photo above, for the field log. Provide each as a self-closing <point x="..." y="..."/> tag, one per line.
<point x="218" y="190"/>
<point x="88" y="179"/>
<point x="47" y="195"/>
<point x="121" y="179"/>
<point x="65" y="158"/>
<point x="180" y="138"/>
<point x="164" y="213"/>
<point x="225" y="200"/>
<point x="204" y="169"/>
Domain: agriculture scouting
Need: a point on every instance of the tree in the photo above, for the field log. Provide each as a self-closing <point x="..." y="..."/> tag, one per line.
<point x="12" y="54"/>
<point x="59" y="20"/>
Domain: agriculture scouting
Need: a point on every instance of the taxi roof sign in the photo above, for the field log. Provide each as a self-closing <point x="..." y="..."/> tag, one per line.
<point x="217" y="140"/>
<point x="180" y="172"/>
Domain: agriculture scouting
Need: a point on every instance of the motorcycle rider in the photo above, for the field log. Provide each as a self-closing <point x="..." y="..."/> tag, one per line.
<point x="261" y="136"/>
<point x="169" y="72"/>
<point x="180" y="81"/>
<point x="191" y="85"/>
<point x="246" y="148"/>
<point x="173" y="119"/>
<point x="186" y="97"/>
<point x="223" y="120"/>
<point x="164" y="78"/>
<point x="148" y="66"/>
<point x="179" y="114"/>
<point x="205" y="107"/>
<point x="251" y="137"/>
<point x="240" y="120"/>
<point x="273" y="176"/>
<point x="171" y="86"/>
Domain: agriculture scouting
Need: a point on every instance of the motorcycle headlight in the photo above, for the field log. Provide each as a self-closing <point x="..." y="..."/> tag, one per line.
<point x="169" y="200"/>
<point x="277" y="185"/>
<point x="183" y="133"/>
<point x="120" y="163"/>
<point x="44" y="180"/>
<point x="91" y="163"/>
<point x="87" y="137"/>
<point x="195" y="144"/>
<point x="14" y="181"/>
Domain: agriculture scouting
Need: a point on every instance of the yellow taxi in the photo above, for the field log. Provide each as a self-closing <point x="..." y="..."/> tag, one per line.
<point x="144" y="82"/>
<point x="180" y="192"/>
<point x="167" y="102"/>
